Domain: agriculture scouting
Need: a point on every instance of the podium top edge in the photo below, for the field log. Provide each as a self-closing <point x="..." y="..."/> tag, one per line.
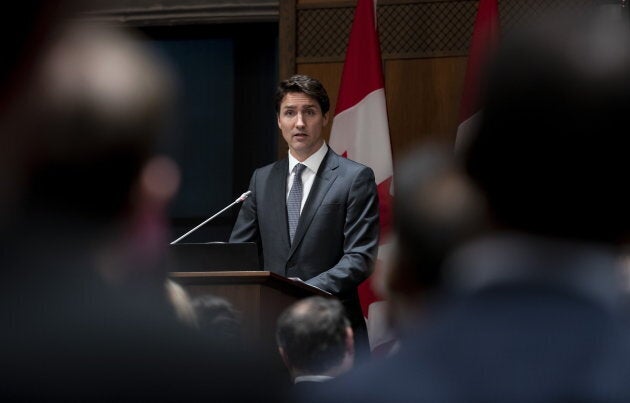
<point x="232" y="273"/>
<point x="231" y="277"/>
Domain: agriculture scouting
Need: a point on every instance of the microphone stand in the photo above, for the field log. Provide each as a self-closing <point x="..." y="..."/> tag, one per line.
<point x="240" y="199"/>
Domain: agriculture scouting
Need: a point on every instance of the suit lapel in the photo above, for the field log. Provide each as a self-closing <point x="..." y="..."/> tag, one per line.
<point x="278" y="191"/>
<point x="324" y="178"/>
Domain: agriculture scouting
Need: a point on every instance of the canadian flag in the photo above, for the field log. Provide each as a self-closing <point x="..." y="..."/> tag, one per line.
<point x="484" y="41"/>
<point x="360" y="132"/>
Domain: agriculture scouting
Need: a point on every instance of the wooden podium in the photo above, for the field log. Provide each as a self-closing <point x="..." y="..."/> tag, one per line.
<point x="259" y="297"/>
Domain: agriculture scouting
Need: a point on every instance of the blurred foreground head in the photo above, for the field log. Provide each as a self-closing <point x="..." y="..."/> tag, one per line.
<point x="550" y="153"/>
<point x="92" y="116"/>
<point x="436" y="209"/>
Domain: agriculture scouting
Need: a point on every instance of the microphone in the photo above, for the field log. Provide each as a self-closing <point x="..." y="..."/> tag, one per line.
<point x="239" y="200"/>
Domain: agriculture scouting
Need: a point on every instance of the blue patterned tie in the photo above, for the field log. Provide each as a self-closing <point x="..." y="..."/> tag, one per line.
<point x="294" y="202"/>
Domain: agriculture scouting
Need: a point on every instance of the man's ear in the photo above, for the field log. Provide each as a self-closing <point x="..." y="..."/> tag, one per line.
<point x="326" y="116"/>
<point x="158" y="181"/>
<point x="348" y="359"/>
<point x="285" y="359"/>
<point x="350" y="341"/>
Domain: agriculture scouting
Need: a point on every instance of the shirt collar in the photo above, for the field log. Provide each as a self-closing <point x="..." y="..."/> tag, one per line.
<point x="313" y="162"/>
<point x="312" y="378"/>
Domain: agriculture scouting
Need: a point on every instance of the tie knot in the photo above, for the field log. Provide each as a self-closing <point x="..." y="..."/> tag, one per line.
<point x="298" y="168"/>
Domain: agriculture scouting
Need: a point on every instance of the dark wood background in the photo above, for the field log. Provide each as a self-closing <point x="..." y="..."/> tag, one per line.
<point x="424" y="44"/>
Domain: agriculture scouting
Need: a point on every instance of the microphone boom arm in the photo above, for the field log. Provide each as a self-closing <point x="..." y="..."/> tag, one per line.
<point x="239" y="200"/>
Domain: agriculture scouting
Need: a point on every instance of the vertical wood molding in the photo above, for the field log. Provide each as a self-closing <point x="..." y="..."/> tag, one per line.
<point x="286" y="49"/>
<point x="287" y="37"/>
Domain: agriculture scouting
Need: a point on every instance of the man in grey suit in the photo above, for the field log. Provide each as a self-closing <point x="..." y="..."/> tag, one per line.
<point x="314" y="214"/>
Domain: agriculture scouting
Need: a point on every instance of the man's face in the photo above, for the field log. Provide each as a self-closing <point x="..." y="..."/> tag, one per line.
<point x="301" y="121"/>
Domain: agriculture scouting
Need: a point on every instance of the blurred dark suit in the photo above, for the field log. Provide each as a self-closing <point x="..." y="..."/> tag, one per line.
<point x="532" y="310"/>
<point x="557" y="334"/>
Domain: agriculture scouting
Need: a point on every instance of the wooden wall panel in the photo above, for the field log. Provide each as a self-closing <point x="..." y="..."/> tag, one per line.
<point x="330" y="75"/>
<point x="423" y="86"/>
<point x="424" y="44"/>
<point x="423" y="97"/>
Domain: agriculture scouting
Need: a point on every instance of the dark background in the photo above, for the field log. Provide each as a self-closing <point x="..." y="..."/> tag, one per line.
<point x="225" y="124"/>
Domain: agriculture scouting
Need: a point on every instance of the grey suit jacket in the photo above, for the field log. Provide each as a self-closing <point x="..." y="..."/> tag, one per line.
<point x="336" y="239"/>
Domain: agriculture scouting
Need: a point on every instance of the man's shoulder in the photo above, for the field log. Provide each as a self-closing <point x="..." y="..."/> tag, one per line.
<point x="347" y="163"/>
<point x="390" y="379"/>
<point x="267" y="169"/>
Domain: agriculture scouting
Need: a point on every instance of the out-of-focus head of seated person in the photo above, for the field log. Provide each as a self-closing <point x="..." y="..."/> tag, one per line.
<point x="436" y="208"/>
<point x="315" y="338"/>
<point x="98" y="103"/>
<point x="217" y="318"/>
<point x="101" y="100"/>
<point x="550" y="150"/>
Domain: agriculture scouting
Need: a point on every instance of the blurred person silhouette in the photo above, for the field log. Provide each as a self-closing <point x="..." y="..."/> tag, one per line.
<point x="216" y="317"/>
<point x="91" y="116"/>
<point x="83" y="304"/>
<point x="436" y="209"/>
<point x="315" y="342"/>
<point x="533" y="310"/>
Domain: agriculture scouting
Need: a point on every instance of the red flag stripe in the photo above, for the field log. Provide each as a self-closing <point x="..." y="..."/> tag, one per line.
<point x="362" y="71"/>
<point x="484" y="41"/>
<point x="360" y="130"/>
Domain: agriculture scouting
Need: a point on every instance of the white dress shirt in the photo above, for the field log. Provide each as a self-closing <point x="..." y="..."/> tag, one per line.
<point x="308" y="174"/>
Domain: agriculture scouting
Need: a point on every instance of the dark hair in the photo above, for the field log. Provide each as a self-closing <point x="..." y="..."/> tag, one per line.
<point x="550" y="153"/>
<point x="312" y="332"/>
<point x="217" y="318"/>
<point x="306" y="85"/>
